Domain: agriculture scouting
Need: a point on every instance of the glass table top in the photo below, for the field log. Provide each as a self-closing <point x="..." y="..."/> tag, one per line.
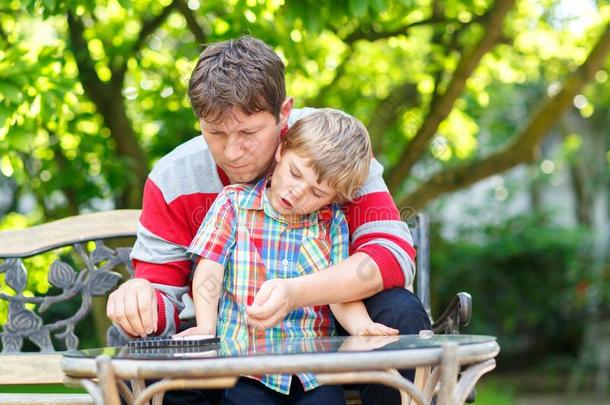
<point x="295" y="345"/>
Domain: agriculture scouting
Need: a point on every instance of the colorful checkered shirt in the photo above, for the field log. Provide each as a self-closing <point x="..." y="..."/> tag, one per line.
<point x="244" y="233"/>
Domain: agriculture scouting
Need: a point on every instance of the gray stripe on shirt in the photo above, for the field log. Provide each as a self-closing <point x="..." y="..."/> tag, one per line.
<point x="374" y="182"/>
<point x="154" y="249"/>
<point x="188" y="169"/>
<point x="397" y="228"/>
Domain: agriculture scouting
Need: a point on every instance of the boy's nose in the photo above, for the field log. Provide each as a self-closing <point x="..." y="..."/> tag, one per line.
<point x="297" y="191"/>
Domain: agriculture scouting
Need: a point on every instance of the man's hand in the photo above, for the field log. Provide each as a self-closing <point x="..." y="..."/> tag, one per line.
<point x="272" y="303"/>
<point x="133" y="307"/>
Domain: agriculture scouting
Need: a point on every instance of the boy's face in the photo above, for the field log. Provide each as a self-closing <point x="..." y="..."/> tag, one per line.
<point x="294" y="188"/>
<point x="244" y="145"/>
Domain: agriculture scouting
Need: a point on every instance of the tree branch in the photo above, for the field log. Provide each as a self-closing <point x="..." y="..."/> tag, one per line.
<point x="370" y="35"/>
<point x="150" y="25"/>
<point x="441" y="106"/>
<point x="110" y="104"/>
<point x="93" y="86"/>
<point x="389" y="110"/>
<point x="191" y="22"/>
<point x="525" y="147"/>
<point x="318" y="100"/>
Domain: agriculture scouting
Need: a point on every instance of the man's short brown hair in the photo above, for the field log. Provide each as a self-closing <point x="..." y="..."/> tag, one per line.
<point x="244" y="73"/>
<point x="337" y="147"/>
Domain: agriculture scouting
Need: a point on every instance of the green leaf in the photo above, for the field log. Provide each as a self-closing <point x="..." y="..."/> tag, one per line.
<point x="358" y="7"/>
<point x="10" y="92"/>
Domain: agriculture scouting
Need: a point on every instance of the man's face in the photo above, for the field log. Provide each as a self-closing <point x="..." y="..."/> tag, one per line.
<point x="294" y="187"/>
<point x="244" y="145"/>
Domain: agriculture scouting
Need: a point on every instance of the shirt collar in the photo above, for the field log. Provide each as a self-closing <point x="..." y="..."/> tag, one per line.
<point x="256" y="199"/>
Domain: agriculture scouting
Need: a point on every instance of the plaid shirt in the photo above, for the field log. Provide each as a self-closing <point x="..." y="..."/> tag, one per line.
<point x="254" y="243"/>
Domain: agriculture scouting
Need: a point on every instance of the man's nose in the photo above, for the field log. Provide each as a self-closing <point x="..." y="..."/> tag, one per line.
<point x="233" y="149"/>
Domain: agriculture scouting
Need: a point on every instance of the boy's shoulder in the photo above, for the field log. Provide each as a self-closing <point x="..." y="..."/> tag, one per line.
<point x="237" y="193"/>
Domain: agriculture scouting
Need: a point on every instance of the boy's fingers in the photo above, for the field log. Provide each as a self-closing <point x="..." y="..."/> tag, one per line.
<point x="262" y="295"/>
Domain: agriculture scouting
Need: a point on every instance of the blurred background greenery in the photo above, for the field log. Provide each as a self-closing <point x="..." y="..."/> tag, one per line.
<point x="491" y="116"/>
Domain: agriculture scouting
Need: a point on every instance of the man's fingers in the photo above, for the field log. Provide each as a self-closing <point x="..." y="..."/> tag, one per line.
<point x="119" y="315"/>
<point x="145" y="311"/>
<point x="155" y="311"/>
<point x="133" y="315"/>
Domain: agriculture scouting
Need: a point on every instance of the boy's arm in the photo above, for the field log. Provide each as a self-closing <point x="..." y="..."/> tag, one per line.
<point x="355" y="319"/>
<point x="207" y="285"/>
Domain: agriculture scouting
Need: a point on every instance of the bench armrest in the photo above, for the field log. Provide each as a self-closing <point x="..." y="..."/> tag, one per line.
<point x="457" y="314"/>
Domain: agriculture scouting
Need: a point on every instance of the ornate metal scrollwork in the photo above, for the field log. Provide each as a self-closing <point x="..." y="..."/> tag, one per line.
<point x="94" y="279"/>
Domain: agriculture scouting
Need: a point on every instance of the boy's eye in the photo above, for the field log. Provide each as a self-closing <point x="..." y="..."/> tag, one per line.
<point x="294" y="174"/>
<point x="316" y="194"/>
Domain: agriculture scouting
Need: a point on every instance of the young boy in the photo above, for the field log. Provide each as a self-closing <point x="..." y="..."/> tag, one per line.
<point x="286" y="225"/>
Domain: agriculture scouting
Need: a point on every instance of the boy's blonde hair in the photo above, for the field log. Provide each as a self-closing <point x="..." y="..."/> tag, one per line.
<point x="337" y="146"/>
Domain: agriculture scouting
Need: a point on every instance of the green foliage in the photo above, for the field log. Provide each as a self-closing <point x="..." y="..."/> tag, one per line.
<point x="59" y="146"/>
<point x="529" y="281"/>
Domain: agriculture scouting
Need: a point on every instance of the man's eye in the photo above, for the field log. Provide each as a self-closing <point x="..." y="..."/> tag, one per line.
<point x="248" y="132"/>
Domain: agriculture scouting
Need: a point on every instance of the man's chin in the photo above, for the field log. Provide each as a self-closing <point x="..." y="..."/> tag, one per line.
<point x="242" y="178"/>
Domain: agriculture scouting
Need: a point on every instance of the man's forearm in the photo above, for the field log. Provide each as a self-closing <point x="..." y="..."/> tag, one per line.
<point x="355" y="278"/>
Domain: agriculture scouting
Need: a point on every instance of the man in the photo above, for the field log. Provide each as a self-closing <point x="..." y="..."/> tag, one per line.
<point x="237" y="91"/>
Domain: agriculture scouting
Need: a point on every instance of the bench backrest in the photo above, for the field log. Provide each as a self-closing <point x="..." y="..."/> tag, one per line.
<point x="89" y="272"/>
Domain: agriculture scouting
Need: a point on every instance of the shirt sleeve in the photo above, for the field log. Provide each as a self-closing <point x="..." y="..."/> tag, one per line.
<point x="215" y="238"/>
<point x="339" y="236"/>
<point x="377" y="230"/>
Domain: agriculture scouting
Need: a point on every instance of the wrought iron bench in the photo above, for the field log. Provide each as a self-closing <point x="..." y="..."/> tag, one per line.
<point x="82" y="267"/>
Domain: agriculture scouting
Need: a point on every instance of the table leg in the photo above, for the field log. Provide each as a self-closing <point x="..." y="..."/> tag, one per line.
<point x="389" y="378"/>
<point x="107" y="382"/>
<point x="448" y="374"/>
<point x="166" y="384"/>
<point x="469" y="378"/>
<point x="431" y="384"/>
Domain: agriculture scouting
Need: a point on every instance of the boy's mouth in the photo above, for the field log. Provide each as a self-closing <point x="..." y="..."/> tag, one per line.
<point x="286" y="202"/>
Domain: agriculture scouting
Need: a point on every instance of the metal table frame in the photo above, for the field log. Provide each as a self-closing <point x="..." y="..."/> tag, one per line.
<point x="450" y="372"/>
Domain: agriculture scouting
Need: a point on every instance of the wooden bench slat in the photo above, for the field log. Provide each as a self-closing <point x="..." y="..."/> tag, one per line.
<point x="67" y="231"/>
<point x="46" y="399"/>
<point x="34" y="368"/>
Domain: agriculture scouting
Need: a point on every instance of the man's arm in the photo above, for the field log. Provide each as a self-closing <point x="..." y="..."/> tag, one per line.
<point x="382" y="257"/>
<point x="353" y="279"/>
<point x="150" y="302"/>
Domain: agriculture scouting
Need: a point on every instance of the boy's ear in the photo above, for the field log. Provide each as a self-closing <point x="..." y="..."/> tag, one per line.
<point x="285" y="111"/>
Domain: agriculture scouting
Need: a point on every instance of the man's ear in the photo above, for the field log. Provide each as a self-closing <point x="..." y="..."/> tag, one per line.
<point x="285" y="111"/>
<point x="278" y="153"/>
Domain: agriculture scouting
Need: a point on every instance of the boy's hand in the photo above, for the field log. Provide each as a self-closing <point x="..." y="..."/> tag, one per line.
<point x="271" y="304"/>
<point x="197" y="330"/>
<point x="377" y="329"/>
